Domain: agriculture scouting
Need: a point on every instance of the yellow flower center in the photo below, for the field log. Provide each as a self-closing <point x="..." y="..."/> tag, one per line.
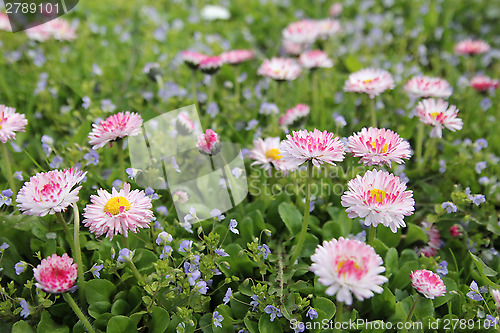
<point x="368" y="81"/>
<point x="1" y="120"/>
<point x="113" y="205"/>
<point x="384" y="148"/>
<point x="378" y="195"/>
<point x="435" y="114"/>
<point x="349" y="267"/>
<point x="274" y="154"/>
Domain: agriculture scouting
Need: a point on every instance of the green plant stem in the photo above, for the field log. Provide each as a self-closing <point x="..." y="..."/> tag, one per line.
<point x="69" y="237"/>
<point x="211" y="89"/>
<point x="415" y="302"/>
<point x="67" y="297"/>
<point x="371" y="235"/>
<point x="429" y="150"/>
<point x="121" y="158"/>
<point x="316" y="108"/>
<point x="125" y="242"/>
<point x="237" y="86"/>
<point x="373" y="112"/>
<point x="338" y="314"/>
<point x="8" y="169"/>
<point x="136" y="272"/>
<point x="193" y="89"/>
<point x="305" y="223"/>
<point x="78" y="254"/>
<point x="420" y="142"/>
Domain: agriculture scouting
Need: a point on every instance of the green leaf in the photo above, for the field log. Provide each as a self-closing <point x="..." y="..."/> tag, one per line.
<point x="268" y="326"/>
<point x="484" y="271"/>
<point x="120" y="307"/>
<point x="22" y="327"/>
<point x="389" y="238"/>
<point x="372" y="327"/>
<point x="98" y="290"/>
<point x="415" y="233"/>
<point x="252" y="326"/>
<point x="47" y="325"/>
<point x="159" y="319"/>
<point x="326" y="305"/>
<point x="120" y="324"/>
<point x="391" y="261"/>
<point x="291" y="217"/>
<point x="402" y="278"/>
<point x="98" y="308"/>
<point x="424" y="308"/>
<point x="352" y="63"/>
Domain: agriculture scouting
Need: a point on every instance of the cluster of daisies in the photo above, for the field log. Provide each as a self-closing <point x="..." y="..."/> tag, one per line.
<point x="211" y="64"/>
<point x="58" y="29"/>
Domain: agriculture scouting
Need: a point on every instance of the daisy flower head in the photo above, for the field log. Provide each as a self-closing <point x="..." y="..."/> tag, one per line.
<point x="315" y="59"/>
<point x="280" y="69"/>
<point x="483" y="83"/>
<point x="335" y="9"/>
<point x="295" y="116"/>
<point x="316" y="146"/>
<point x="292" y="48"/>
<point x="427" y="283"/>
<point x="210" y="65"/>
<point x="438" y="114"/>
<point x="4" y="22"/>
<point x="303" y="32"/>
<point x="470" y="46"/>
<point x="55" y="274"/>
<point x="378" y="197"/>
<point x="371" y="81"/>
<point x="50" y="192"/>
<point x="496" y="296"/>
<point x="328" y="28"/>
<point x="348" y="267"/>
<point x="117" y="126"/>
<point x="434" y="244"/>
<point x="267" y="154"/>
<point x="209" y="142"/>
<point x="378" y="146"/>
<point x="118" y="212"/>
<point x="425" y="86"/>
<point x="192" y="59"/>
<point x="236" y="57"/>
<point x="10" y="123"/>
<point x="184" y="124"/>
<point x="58" y="29"/>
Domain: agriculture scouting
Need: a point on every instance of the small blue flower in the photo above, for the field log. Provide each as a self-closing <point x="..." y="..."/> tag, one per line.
<point x="92" y="157"/>
<point x="474" y="292"/>
<point x="254" y="302"/>
<point x="264" y="250"/>
<point x="166" y="251"/>
<point x="56" y="162"/>
<point x="273" y="311"/>
<point x="217" y="214"/>
<point x="221" y="252"/>
<point x="442" y="268"/>
<point x="25" y="308"/>
<point x="312" y="314"/>
<point x="268" y="108"/>
<point x="217" y="319"/>
<point x="480" y="166"/>
<point x="185" y="246"/>
<point x="5" y="197"/>
<point x="449" y="206"/>
<point x="18" y="175"/>
<point x="86" y="102"/>
<point x="162" y="210"/>
<point x="151" y="193"/>
<point x="300" y="327"/>
<point x="4" y="247"/>
<point x="96" y="269"/>
<point x="20" y="267"/>
<point x="232" y="226"/>
<point x="478" y="199"/>
<point x="202" y="287"/>
<point x="228" y="295"/>
<point x="131" y="172"/>
<point x="125" y="255"/>
<point x="164" y="238"/>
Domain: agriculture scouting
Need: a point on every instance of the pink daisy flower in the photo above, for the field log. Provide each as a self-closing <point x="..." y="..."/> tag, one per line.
<point x="438" y="114"/>
<point x="378" y="146"/>
<point x="292" y="48"/>
<point x="115" y="127"/>
<point x="267" y="154"/>
<point x="470" y="46"/>
<point x="184" y="124"/>
<point x="50" y="192"/>
<point x="58" y="29"/>
<point x="192" y="59"/>
<point x="55" y="274"/>
<point x="428" y="283"/>
<point x="316" y="146"/>
<point x="180" y="197"/>
<point x="496" y="296"/>
<point x="335" y="9"/>
<point x="315" y="59"/>
<point x="235" y="57"/>
<point x="370" y="81"/>
<point x="4" y="22"/>
<point x="328" y="28"/>
<point x="425" y="86"/>
<point x="10" y="123"/>
<point x="294" y="116"/>
<point x="434" y="244"/>
<point x="280" y="69"/>
<point x="348" y="267"/>
<point x="118" y="212"/>
<point x="302" y="32"/>
<point x="483" y="83"/>
<point x="208" y="142"/>
<point x="379" y="197"/>
<point x="210" y="65"/>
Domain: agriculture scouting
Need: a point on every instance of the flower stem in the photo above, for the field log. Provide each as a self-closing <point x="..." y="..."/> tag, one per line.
<point x="371" y="235"/>
<point x="338" y="314"/>
<point x="237" y="87"/>
<point x="8" y="169"/>
<point x="136" y="272"/>
<point x="373" y="113"/>
<point x="420" y="142"/>
<point x="316" y="109"/>
<point x="211" y="89"/>
<point x="415" y="302"/>
<point x="121" y="158"/>
<point x="78" y="254"/>
<point x="69" y="237"/>
<point x="307" y="209"/>
<point x="67" y="297"/>
<point x="193" y="89"/>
